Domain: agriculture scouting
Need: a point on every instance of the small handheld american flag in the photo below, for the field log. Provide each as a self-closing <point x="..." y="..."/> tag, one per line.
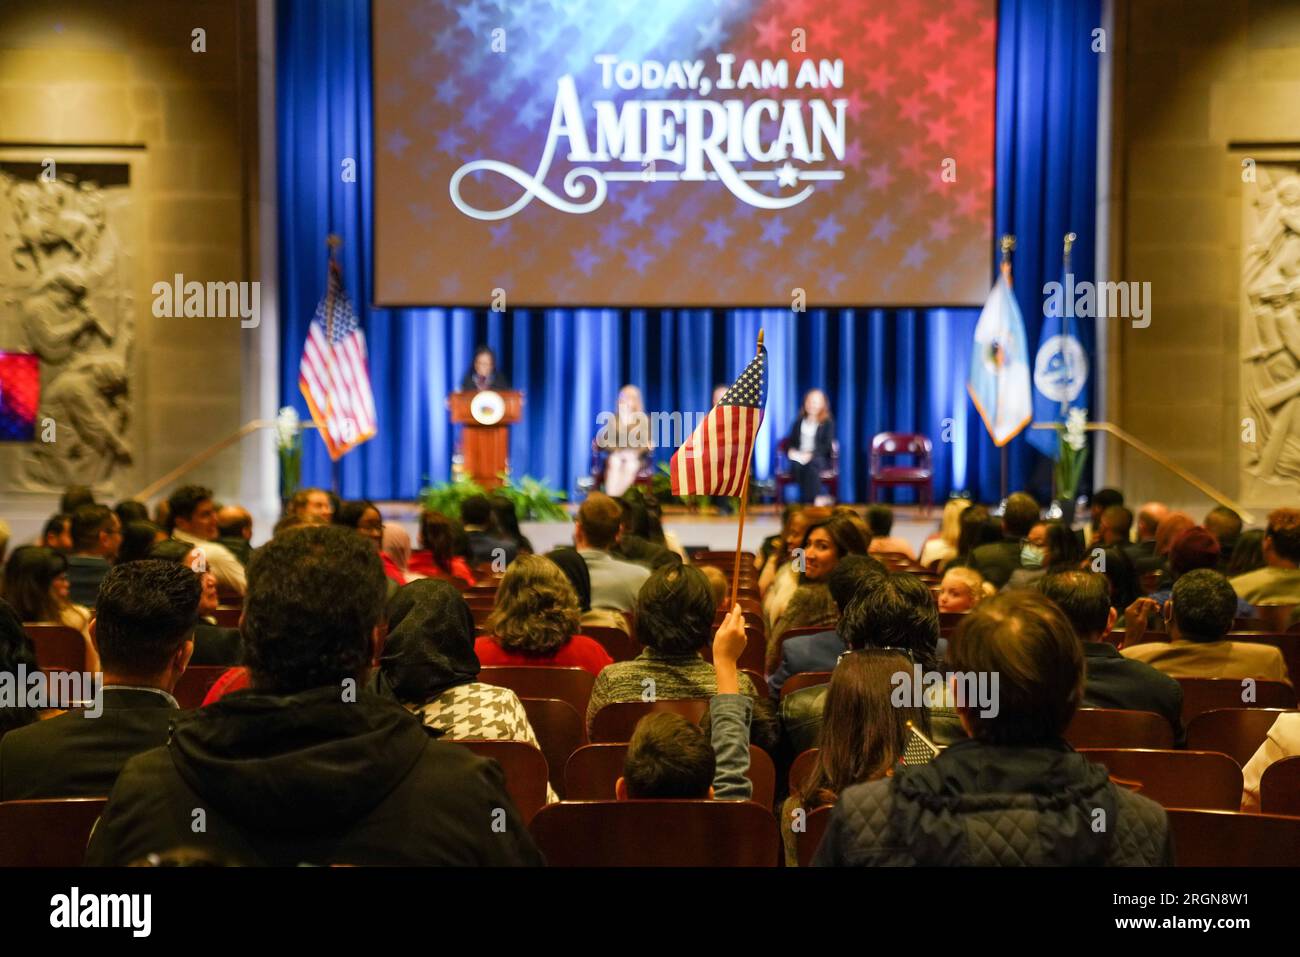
<point x="334" y="375"/>
<point x="715" y="459"/>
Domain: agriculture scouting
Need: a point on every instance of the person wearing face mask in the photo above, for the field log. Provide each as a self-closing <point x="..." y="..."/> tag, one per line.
<point x="1049" y="547"/>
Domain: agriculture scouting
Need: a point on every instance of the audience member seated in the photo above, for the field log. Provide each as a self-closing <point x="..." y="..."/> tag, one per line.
<point x="438" y="556"/>
<point x="395" y="545"/>
<point x="16" y="650"/>
<point x="718" y="585"/>
<point x="535" y="621"/>
<point x="1248" y="555"/>
<point x="942" y="545"/>
<point x="57" y="533"/>
<point x="1101" y="500"/>
<point x="96" y="540"/>
<point x="364" y="518"/>
<point x="669" y="758"/>
<point x="193" y="519"/>
<point x="6" y="533"/>
<point x="614" y="582"/>
<point x="1170" y="527"/>
<point x="997" y="560"/>
<point x="307" y="766"/>
<point x="486" y="545"/>
<point x="780" y="576"/>
<point x="824" y="544"/>
<point x="976" y="528"/>
<point x="641" y="537"/>
<point x="1278" y="582"/>
<point x="1193" y="549"/>
<point x="213" y="644"/>
<point x="862" y="737"/>
<point x="962" y="589"/>
<point x="1148" y="521"/>
<point x="1225" y="525"/>
<point x="674" y="621"/>
<point x="1121" y="575"/>
<point x="1049" y="547"/>
<point x="773" y="546"/>
<point x="821" y="651"/>
<point x="1283" y="741"/>
<point x="893" y="611"/>
<point x="1112" y="680"/>
<point x="311" y="506"/>
<point x="1115" y="527"/>
<point x="575" y="569"/>
<point x="142" y="628"/>
<point x="235" y="531"/>
<point x="129" y="510"/>
<point x="36" y="585"/>
<point x="430" y="667"/>
<point x="1015" y="792"/>
<point x="75" y="496"/>
<point x="137" y="539"/>
<point x="1198" y="615"/>
<point x="880" y="521"/>
<point x="505" y="519"/>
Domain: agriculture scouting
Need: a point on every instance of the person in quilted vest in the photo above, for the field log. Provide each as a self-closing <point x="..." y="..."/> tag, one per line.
<point x="1015" y="793"/>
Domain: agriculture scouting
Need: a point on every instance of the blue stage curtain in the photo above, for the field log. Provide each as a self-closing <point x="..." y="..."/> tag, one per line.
<point x="897" y="370"/>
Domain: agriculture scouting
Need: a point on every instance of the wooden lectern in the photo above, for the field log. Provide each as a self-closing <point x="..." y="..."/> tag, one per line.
<point x="485" y="442"/>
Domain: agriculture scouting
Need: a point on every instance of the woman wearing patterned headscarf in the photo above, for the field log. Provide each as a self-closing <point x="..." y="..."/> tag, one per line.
<point x="430" y="667"/>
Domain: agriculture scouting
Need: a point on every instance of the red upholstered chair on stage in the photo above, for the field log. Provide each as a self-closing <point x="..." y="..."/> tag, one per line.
<point x="830" y="477"/>
<point x="919" y="475"/>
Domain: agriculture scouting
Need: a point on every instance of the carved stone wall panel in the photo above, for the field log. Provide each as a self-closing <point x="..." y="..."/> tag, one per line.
<point x="66" y="229"/>
<point x="1270" y="335"/>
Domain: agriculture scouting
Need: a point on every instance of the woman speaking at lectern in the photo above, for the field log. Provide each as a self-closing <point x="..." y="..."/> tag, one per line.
<point x="483" y="373"/>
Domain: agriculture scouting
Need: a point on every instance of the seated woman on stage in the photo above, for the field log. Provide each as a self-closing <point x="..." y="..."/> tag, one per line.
<point x="808" y="444"/>
<point x="628" y="442"/>
<point x="535" y="621"/>
<point x="483" y="373"/>
<point x="438" y="556"/>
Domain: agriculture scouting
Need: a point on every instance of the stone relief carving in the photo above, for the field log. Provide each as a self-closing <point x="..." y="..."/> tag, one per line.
<point x="65" y="295"/>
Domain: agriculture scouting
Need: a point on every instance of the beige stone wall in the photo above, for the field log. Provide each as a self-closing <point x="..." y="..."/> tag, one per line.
<point x="117" y="80"/>
<point x="1200" y="85"/>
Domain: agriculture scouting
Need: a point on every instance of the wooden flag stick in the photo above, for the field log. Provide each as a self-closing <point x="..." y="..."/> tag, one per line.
<point x="744" y="506"/>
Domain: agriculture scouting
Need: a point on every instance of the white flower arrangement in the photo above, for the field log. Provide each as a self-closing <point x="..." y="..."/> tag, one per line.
<point x="1073" y="452"/>
<point x="288" y="442"/>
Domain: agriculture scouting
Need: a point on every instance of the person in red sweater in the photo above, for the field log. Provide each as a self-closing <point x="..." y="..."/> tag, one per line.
<point x="437" y="556"/>
<point x="535" y="621"/>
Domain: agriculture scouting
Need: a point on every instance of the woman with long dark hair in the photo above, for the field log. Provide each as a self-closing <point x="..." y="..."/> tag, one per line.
<point x="36" y="585"/>
<point x="15" y="649"/>
<point x="440" y="554"/>
<point x="824" y="544"/>
<point x="862" y="735"/>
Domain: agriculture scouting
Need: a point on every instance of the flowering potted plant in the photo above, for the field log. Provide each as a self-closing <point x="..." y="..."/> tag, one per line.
<point x="1071" y="456"/>
<point x="288" y="442"/>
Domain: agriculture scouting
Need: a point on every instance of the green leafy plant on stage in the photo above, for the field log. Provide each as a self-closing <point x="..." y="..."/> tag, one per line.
<point x="662" y="485"/>
<point x="534" y="500"/>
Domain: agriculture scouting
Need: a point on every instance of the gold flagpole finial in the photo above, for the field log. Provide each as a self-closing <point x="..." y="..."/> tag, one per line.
<point x="1007" y="244"/>
<point x="333" y="241"/>
<point x="760" y="338"/>
<point x="1069" y="248"/>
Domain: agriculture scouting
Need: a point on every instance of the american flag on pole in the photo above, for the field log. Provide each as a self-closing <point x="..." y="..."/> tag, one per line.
<point x="334" y="376"/>
<point x="715" y="459"/>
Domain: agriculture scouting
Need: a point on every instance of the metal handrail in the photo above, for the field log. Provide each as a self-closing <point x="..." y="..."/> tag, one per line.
<point x="1160" y="459"/>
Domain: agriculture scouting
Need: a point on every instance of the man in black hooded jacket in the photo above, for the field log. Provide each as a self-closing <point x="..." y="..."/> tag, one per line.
<point x="1015" y="793"/>
<point x="306" y="766"/>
